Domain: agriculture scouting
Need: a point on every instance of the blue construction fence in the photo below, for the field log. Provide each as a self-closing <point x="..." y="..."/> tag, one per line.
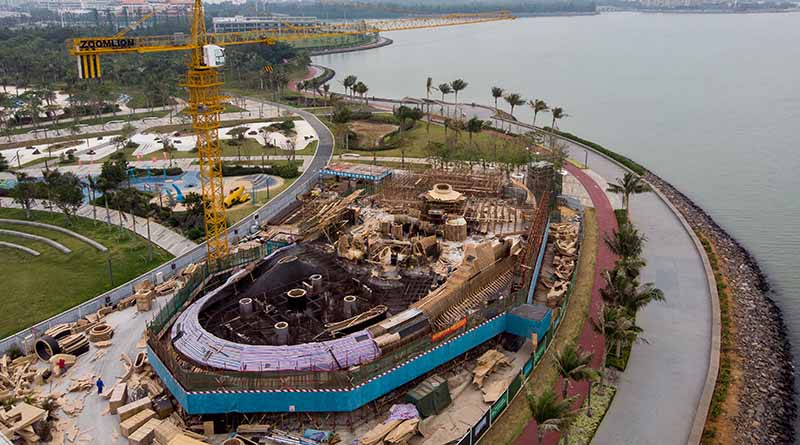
<point x="346" y="399"/>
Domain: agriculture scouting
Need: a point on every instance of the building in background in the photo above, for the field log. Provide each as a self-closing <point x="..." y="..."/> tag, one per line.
<point x="271" y="22"/>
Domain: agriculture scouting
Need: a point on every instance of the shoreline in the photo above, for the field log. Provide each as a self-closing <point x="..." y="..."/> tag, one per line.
<point x="766" y="391"/>
<point x="381" y="42"/>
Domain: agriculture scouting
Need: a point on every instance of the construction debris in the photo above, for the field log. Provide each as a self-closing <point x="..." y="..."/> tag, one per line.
<point x="18" y="422"/>
<point x="487" y="363"/>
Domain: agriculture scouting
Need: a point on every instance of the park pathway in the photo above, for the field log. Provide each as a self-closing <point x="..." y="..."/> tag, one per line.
<point x="161" y="236"/>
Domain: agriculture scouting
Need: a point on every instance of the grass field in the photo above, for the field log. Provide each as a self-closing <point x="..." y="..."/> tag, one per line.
<point x="511" y="424"/>
<point x="36" y="288"/>
<point x="416" y="140"/>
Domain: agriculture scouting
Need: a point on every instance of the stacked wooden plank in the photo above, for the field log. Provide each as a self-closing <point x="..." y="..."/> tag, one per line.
<point x="145" y="434"/>
<point x="136" y="421"/>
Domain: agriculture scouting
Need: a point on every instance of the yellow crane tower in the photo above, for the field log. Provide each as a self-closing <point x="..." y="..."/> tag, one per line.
<point x="203" y="81"/>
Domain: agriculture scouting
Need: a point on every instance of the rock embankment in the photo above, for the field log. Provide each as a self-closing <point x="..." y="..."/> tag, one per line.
<point x="767" y="408"/>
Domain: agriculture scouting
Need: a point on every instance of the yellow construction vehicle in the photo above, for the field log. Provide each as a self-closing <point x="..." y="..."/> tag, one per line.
<point x="236" y="196"/>
<point x="203" y="82"/>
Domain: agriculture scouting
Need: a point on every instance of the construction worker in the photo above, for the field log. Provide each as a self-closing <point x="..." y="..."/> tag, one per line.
<point x="100" y="385"/>
<point x="62" y="366"/>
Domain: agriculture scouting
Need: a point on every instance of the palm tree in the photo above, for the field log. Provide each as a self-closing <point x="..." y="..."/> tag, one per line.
<point x="618" y="328"/>
<point x="458" y="85"/>
<point x="474" y="125"/>
<point x="626" y="242"/>
<point x="514" y="100"/>
<point x="549" y="412"/>
<point x="327" y="90"/>
<point x="361" y="89"/>
<point x="630" y="184"/>
<point x="445" y="90"/>
<point x="573" y="364"/>
<point x="348" y="83"/>
<point x="428" y="88"/>
<point x="623" y="291"/>
<point x="558" y="114"/>
<point x="538" y="106"/>
<point x="497" y="93"/>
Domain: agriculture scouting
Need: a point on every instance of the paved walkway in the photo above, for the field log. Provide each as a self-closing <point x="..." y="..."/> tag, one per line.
<point x="161" y="236"/>
<point x="589" y="340"/>
<point x="658" y="394"/>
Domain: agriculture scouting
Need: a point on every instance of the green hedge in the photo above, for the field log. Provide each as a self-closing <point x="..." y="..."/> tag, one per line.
<point x="284" y="170"/>
<point x="627" y="162"/>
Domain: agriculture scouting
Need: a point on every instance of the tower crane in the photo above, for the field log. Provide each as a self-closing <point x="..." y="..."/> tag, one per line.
<point x="203" y="81"/>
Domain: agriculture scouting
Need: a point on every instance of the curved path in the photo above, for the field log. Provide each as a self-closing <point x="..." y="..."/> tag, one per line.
<point x="18" y="247"/>
<point x="41" y="239"/>
<point x="77" y="236"/>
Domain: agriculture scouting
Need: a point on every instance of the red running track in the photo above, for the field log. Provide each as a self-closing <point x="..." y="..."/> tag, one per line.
<point x="589" y="339"/>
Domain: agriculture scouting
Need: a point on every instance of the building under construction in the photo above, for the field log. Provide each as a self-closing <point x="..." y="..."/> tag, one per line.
<point x="357" y="296"/>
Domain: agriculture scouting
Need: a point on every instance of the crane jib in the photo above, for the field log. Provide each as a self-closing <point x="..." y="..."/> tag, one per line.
<point x="89" y="44"/>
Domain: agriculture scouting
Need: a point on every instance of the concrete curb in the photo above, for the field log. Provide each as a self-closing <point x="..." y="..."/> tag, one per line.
<point x="78" y="236"/>
<point x="48" y="241"/>
<point x="18" y="247"/>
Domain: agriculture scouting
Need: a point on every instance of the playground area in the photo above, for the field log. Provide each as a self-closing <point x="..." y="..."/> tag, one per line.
<point x="171" y="191"/>
<point x="297" y="139"/>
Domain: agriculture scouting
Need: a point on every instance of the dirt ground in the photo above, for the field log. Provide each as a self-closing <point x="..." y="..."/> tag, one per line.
<point x="370" y="133"/>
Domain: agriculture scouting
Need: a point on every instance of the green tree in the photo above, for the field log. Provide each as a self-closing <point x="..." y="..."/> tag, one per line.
<point x="573" y="364"/>
<point x="538" y="106"/>
<point x="497" y="93"/>
<point x="474" y="125"/>
<point x="618" y="328"/>
<point x="458" y="85"/>
<point x="558" y="114"/>
<point x="629" y="184"/>
<point x="623" y="291"/>
<point x="626" y="242"/>
<point x="428" y="87"/>
<point x="112" y="174"/>
<point x="348" y="83"/>
<point x="66" y="192"/>
<point x="514" y="100"/>
<point x="24" y="192"/>
<point x="361" y="89"/>
<point x="550" y="413"/>
<point x="445" y="89"/>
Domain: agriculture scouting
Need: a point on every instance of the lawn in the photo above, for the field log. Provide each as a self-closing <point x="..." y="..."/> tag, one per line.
<point x="36" y="288"/>
<point x="510" y="425"/>
<point x="241" y="212"/>
<point x="416" y="140"/>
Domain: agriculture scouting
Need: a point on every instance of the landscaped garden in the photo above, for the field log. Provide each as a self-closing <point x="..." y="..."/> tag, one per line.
<point x="37" y="288"/>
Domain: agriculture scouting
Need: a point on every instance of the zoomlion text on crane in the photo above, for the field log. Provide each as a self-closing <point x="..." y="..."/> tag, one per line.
<point x="106" y="43"/>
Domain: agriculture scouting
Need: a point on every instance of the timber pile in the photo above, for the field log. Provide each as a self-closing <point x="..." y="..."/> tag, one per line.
<point x="391" y="432"/>
<point x="16" y="377"/>
<point x="17" y="422"/>
<point x="328" y="215"/>
<point x="565" y="237"/>
<point x="487" y="363"/>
